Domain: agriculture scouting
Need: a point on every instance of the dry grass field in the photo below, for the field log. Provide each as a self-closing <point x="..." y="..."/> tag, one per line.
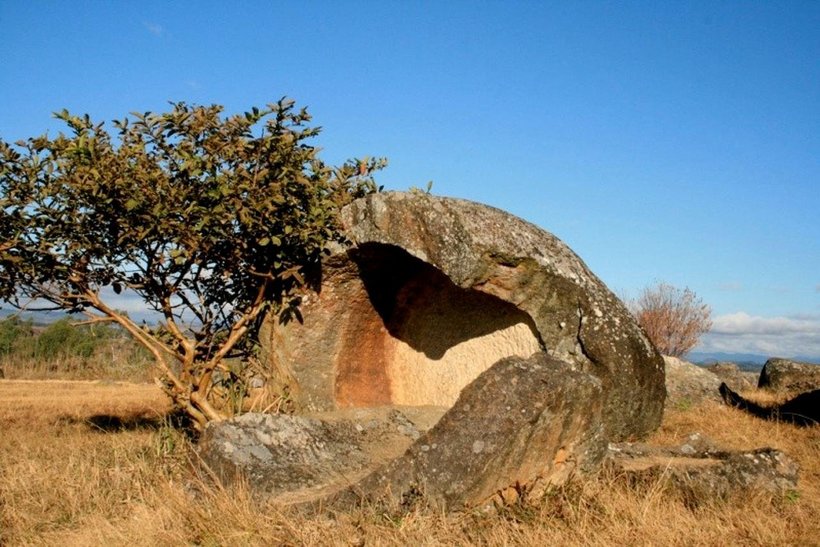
<point x="93" y="463"/>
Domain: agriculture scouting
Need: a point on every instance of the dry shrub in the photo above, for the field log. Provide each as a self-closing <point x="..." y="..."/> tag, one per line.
<point x="65" y="481"/>
<point x="674" y="319"/>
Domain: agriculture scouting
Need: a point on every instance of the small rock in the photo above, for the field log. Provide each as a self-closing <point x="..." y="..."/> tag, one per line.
<point x="704" y="476"/>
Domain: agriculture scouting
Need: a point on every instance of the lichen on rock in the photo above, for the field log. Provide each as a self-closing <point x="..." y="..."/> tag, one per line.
<point x="431" y="291"/>
<point x="448" y="303"/>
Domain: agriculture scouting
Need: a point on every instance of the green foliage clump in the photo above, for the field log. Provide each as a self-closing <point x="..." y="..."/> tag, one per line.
<point x="64" y="349"/>
<point x="14" y="332"/>
<point x="212" y="221"/>
<point x="61" y="339"/>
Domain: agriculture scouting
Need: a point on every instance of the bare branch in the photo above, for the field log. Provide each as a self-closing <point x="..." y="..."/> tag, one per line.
<point x="94" y="321"/>
<point x="673" y="319"/>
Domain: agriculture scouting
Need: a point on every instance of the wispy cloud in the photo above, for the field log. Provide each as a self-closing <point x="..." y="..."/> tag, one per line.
<point x="817" y="288"/>
<point x="741" y="322"/>
<point x="154" y="28"/>
<point x="731" y="286"/>
<point x="773" y="336"/>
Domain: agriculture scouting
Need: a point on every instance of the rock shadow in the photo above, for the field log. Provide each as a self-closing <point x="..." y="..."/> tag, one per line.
<point x="803" y="410"/>
<point x="422" y="307"/>
<point x="113" y="423"/>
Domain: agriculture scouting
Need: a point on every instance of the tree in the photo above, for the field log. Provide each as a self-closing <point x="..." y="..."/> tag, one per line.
<point x="211" y="220"/>
<point x="674" y="319"/>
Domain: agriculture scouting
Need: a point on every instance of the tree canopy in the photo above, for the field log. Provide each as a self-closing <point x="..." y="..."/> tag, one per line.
<point x="211" y="220"/>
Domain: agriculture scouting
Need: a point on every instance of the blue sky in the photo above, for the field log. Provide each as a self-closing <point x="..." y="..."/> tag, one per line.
<point x="661" y="140"/>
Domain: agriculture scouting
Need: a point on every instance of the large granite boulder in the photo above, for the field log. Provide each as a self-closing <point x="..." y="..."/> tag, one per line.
<point x="433" y="291"/>
<point x="787" y="375"/>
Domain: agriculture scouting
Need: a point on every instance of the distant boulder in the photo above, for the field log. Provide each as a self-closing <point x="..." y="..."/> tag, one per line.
<point x="787" y="375"/>
<point x="687" y="383"/>
<point x="737" y="379"/>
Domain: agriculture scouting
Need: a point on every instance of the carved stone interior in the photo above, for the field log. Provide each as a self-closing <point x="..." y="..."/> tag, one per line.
<point x="417" y="338"/>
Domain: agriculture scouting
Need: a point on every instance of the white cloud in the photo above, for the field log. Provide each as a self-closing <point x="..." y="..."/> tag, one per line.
<point x="741" y="322"/>
<point x="773" y="336"/>
<point x="154" y="28"/>
<point x="817" y="288"/>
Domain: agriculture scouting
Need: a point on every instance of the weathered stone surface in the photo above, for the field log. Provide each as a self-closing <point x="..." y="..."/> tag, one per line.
<point x="688" y="384"/>
<point x="786" y="375"/>
<point x="302" y="458"/>
<point x="704" y="473"/>
<point x="432" y="291"/>
<point x="522" y="423"/>
<point x="734" y="377"/>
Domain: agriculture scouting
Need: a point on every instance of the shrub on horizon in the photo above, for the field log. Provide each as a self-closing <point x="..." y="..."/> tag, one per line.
<point x="673" y="319"/>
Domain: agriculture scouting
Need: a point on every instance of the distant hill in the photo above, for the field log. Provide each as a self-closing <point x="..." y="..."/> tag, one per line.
<point x="746" y="361"/>
<point x="43" y="319"/>
<point x="700" y="357"/>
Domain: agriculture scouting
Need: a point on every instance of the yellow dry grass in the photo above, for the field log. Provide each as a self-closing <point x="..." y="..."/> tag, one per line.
<point x="84" y="463"/>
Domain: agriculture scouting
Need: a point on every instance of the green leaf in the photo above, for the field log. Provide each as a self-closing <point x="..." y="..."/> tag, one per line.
<point x="186" y="203"/>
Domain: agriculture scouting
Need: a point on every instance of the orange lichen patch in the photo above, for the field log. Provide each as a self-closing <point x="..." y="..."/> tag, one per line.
<point x="560" y="457"/>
